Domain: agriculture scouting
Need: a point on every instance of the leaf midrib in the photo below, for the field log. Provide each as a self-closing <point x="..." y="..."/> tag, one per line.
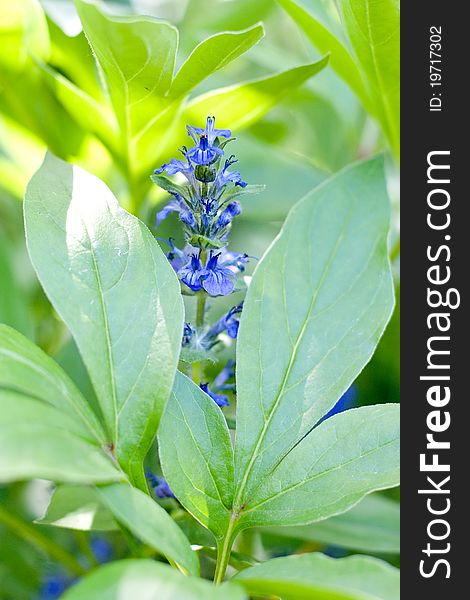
<point x="109" y="354"/>
<point x="279" y="396"/>
<point x="384" y="96"/>
<point x="322" y="473"/>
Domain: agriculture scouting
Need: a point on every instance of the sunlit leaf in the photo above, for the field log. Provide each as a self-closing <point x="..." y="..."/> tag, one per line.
<point x="241" y="105"/>
<point x="148" y="579"/>
<point x="318" y="577"/>
<point x="211" y="55"/>
<point x="118" y="295"/>
<point x="196" y="454"/>
<point x="298" y="352"/>
<point x="374" y="31"/>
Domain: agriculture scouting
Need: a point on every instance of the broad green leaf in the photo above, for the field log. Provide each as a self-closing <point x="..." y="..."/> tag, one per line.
<point x="112" y="285"/>
<point x="14" y="309"/>
<point x="241" y="105"/>
<point x="38" y="441"/>
<point x="149" y="522"/>
<point x="27" y="369"/>
<point x="329" y="470"/>
<point x="298" y="352"/>
<point x="211" y="55"/>
<point x="373" y="525"/>
<point x="136" y="56"/>
<point x="326" y="41"/>
<point x="196" y="455"/>
<point x="78" y="507"/>
<point x="374" y="31"/>
<point x="148" y="580"/>
<point x="318" y="577"/>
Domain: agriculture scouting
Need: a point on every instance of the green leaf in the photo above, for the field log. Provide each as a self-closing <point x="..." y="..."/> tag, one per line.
<point x="78" y="507"/>
<point x="149" y="522"/>
<point x="38" y="441"/>
<point x="331" y="469"/>
<point x="147" y="579"/>
<point x="168" y="185"/>
<point x="136" y="56"/>
<point x="112" y="285"/>
<point x="298" y="352"/>
<point x="374" y="31"/>
<point x="324" y="40"/>
<point x="196" y="455"/>
<point x="373" y="525"/>
<point x="211" y="55"/>
<point x="92" y="116"/>
<point x="373" y="70"/>
<point x="241" y="105"/>
<point x="318" y="577"/>
<point x="27" y="369"/>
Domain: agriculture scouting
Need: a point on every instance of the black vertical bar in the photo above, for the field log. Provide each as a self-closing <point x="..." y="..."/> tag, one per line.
<point x="434" y="119"/>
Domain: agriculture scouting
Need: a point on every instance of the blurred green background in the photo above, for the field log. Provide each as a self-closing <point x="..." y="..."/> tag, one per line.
<point x="301" y="137"/>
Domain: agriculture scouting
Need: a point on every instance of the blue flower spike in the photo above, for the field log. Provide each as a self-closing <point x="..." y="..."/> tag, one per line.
<point x="205" y="204"/>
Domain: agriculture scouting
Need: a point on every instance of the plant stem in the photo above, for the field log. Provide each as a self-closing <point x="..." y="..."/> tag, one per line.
<point x="32" y="535"/>
<point x="224" y="550"/>
<point x="201" y="309"/>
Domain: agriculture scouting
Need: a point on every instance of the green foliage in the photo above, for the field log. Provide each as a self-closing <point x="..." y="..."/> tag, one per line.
<point x="317" y="577"/>
<point x="373" y="525"/>
<point x="126" y="92"/>
<point x="296" y="355"/>
<point x="244" y="104"/>
<point x="101" y="254"/>
<point x="38" y="440"/>
<point x="150" y="523"/>
<point x="28" y="370"/>
<point x="78" y="507"/>
<point x="24" y="38"/>
<point x="146" y="578"/>
<point x="195" y="448"/>
<point x="83" y="411"/>
<point x="374" y="32"/>
<point x="334" y="466"/>
<point x="373" y="72"/>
